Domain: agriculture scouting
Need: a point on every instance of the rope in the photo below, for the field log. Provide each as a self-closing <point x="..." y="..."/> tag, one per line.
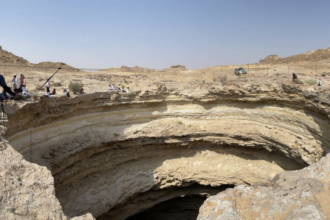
<point x="30" y="146"/>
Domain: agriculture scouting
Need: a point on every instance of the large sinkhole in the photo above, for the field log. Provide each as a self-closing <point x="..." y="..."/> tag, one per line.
<point x="162" y="158"/>
<point x="143" y="178"/>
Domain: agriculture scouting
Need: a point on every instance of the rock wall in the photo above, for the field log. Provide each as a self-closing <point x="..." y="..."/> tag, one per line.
<point x="105" y="149"/>
<point x="27" y="189"/>
<point x="303" y="194"/>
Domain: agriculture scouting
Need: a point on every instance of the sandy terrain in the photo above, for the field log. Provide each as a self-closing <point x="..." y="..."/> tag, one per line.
<point x="270" y="69"/>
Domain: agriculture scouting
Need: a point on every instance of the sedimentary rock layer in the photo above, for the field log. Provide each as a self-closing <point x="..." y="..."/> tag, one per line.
<point x="303" y="194"/>
<point x="104" y="149"/>
<point x="27" y="189"/>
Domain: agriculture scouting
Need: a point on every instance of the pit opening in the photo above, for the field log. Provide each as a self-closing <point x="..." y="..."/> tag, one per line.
<point x="182" y="208"/>
<point x="177" y="203"/>
<point x="110" y="160"/>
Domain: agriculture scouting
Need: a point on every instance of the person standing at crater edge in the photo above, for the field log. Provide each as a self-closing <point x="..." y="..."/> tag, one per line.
<point x="14" y="82"/>
<point x="48" y="86"/>
<point x="21" y="80"/>
<point x="6" y="88"/>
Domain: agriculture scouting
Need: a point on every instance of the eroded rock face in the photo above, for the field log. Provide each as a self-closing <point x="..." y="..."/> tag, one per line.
<point x="27" y="189"/>
<point x="105" y="149"/>
<point x="303" y="194"/>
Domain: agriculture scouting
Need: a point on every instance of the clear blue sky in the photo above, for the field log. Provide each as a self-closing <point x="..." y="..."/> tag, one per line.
<point x="161" y="33"/>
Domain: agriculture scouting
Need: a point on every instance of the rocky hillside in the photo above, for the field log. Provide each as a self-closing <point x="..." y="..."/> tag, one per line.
<point x="320" y="54"/>
<point x="11" y="59"/>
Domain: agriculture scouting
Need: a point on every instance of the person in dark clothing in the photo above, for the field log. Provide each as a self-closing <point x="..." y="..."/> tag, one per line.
<point x="3" y="95"/>
<point x="6" y="88"/>
<point x="54" y="92"/>
<point x="294" y="76"/>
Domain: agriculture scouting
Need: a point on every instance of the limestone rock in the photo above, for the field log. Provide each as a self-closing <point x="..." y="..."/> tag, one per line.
<point x="303" y="194"/>
<point x="27" y="189"/>
<point x="87" y="216"/>
<point x="104" y="149"/>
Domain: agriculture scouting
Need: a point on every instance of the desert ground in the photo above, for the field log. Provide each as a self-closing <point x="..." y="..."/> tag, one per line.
<point x="176" y="78"/>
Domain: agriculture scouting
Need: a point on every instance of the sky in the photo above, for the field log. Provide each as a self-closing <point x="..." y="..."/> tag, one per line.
<point x="161" y="33"/>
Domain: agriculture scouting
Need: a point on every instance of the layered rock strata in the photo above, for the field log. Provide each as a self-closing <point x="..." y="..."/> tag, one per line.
<point x="303" y="194"/>
<point x="105" y="149"/>
<point x="27" y="189"/>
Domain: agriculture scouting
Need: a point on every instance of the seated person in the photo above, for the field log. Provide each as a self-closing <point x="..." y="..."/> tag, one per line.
<point x="123" y="89"/>
<point x="54" y="92"/>
<point x="81" y="91"/>
<point x="24" y="91"/>
<point x="294" y="76"/>
<point x="109" y="87"/>
<point x="68" y="94"/>
<point x="127" y="90"/>
<point x="319" y="82"/>
<point x="113" y="87"/>
<point x="118" y="89"/>
<point x="64" y="91"/>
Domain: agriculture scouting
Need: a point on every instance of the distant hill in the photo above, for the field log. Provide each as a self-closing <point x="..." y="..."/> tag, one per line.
<point x="11" y="59"/>
<point x="138" y="69"/>
<point x="135" y="69"/>
<point x="320" y="54"/>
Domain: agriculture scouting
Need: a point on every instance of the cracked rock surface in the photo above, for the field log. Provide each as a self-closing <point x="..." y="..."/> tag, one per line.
<point x="303" y="194"/>
<point x="27" y="190"/>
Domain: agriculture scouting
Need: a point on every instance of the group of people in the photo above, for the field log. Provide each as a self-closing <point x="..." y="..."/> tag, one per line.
<point x="18" y="85"/>
<point x="48" y="93"/>
<point x="113" y="88"/>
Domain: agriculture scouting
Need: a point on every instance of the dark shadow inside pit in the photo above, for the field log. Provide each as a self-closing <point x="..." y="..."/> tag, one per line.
<point x="183" y="208"/>
<point x="175" y="203"/>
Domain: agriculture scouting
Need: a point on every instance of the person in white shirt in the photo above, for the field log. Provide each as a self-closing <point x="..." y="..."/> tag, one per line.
<point x="127" y="90"/>
<point x="48" y="86"/>
<point x="109" y="87"/>
<point x="319" y="82"/>
<point x="14" y="82"/>
<point x="113" y="87"/>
